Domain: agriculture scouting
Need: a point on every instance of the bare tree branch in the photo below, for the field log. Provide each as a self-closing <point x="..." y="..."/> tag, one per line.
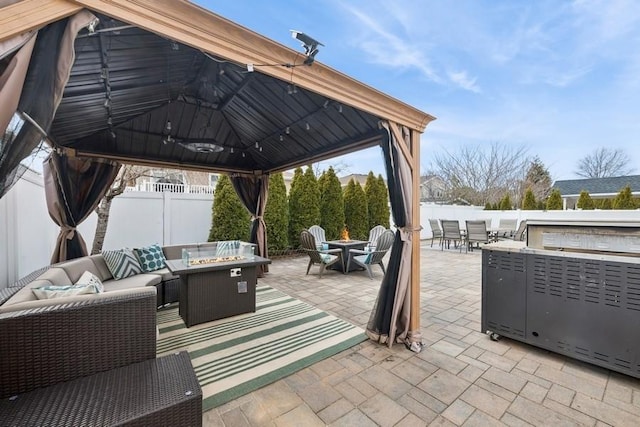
<point x="603" y="163"/>
<point x="483" y="173"/>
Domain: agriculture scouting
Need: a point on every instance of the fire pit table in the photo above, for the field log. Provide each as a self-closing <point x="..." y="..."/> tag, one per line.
<point x="345" y="245"/>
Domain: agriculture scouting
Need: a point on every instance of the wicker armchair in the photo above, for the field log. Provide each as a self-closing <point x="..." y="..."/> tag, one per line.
<point x="56" y="343"/>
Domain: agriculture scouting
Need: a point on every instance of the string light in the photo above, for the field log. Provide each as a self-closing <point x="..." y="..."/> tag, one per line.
<point x="326" y="104"/>
<point x="287" y="130"/>
<point x="281" y="138"/>
<point x="257" y="145"/>
<point x="340" y="108"/>
<point x="306" y="126"/>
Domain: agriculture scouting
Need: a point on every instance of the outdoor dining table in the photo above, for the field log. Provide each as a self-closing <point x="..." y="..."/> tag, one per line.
<point x="345" y="245"/>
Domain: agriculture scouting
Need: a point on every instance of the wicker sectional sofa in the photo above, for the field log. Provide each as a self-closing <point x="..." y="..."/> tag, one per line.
<point x="69" y="339"/>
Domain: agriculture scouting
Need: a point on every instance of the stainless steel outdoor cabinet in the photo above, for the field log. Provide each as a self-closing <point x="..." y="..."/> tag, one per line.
<point x="562" y="296"/>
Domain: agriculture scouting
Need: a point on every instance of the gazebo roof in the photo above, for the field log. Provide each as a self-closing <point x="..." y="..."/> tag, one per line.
<point x="151" y="63"/>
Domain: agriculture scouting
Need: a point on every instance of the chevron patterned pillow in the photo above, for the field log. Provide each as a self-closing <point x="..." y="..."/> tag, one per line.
<point x="122" y="263"/>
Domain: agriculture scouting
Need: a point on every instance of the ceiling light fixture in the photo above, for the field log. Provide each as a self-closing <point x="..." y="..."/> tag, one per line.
<point x="201" y="146"/>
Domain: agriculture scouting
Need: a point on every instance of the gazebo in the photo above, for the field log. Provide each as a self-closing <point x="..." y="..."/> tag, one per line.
<point x="167" y="83"/>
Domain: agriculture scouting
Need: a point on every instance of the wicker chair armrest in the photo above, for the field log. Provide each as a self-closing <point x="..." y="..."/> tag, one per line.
<point x="47" y="345"/>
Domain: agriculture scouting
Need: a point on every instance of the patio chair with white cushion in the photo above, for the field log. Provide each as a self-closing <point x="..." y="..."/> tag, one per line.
<point x="507" y="227"/>
<point x="366" y="258"/>
<point x="323" y="258"/>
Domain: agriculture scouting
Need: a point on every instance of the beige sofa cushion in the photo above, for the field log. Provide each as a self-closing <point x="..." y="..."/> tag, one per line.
<point x="165" y="274"/>
<point x="101" y="266"/>
<point x="76" y="267"/>
<point x="4" y="308"/>
<point x="26" y="294"/>
<point x="57" y="276"/>
<point x="175" y="251"/>
<point x="136" y="281"/>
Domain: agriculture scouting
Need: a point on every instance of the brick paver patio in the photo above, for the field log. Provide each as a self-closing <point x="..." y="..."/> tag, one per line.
<point x="461" y="378"/>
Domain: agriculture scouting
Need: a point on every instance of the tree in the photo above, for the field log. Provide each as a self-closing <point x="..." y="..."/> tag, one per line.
<point x="355" y="211"/>
<point x="304" y="204"/>
<point x="482" y="173"/>
<point x="538" y="179"/>
<point x="529" y="202"/>
<point x="331" y="204"/>
<point x="604" y="163"/>
<point x="377" y="201"/>
<point x="127" y="175"/>
<point x="488" y="206"/>
<point x="554" y="202"/>
<point x="505" y="203"/>
<point x="624" y="199"/>
<point x="230" y="220"/>
<point x="276" y="214"/>
<point x="585" y="201"/>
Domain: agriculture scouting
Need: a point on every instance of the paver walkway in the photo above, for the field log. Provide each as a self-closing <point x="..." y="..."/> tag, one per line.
<point x="460" y="378"/>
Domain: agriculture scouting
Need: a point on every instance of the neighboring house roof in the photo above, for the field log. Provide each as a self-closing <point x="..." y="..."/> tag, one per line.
<point x="611" y="185"/>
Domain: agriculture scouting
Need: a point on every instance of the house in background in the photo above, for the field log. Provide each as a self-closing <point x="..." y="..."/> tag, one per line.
<point x="432" y="189"/>
<point x="174" y="180"/>
<point x="598" y="188"/>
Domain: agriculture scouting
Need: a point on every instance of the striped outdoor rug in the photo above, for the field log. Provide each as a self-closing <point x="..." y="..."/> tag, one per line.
<point x="237" y="355"/>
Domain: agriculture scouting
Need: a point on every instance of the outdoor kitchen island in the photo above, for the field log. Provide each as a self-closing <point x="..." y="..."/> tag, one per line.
<point x="217" y="289"/>
<point x="573" y="288"/>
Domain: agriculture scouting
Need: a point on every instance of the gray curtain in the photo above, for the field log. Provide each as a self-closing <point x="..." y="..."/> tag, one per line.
<point x="253" y="191"/>
<point x="389" y="320"/>
<point x="15" y="55"/>
<point x="73" y="187"/>
<point x="48" y="72"/>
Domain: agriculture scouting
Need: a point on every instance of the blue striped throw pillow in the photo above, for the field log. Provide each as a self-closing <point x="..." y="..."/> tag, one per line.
<point x="122" y="263"/>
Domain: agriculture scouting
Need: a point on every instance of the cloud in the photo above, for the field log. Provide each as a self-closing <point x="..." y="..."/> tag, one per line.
<point x="396" y="44"/>
<point x="461" y="79"/>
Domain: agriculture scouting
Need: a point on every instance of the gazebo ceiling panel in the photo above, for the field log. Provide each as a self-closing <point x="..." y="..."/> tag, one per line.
<point x="136" y="95"/>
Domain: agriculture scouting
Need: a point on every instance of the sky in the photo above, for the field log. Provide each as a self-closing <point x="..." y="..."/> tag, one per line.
<point x="559" y="78"/>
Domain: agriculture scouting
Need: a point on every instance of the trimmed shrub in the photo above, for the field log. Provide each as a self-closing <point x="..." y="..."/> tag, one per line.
<point x="230" y="220"/>
<point x="585" y="201"/>
<point x="505" y="203"/>
<point x="331" y="204"/>
<point x="276" y="215"/>
<point x="355" y="211"/>
<point x="304" y="204"/>
<point x="554" y="202"/>
<point x="624" y="200"/>
<point x="377" y="201"/>
<point x="529" y="202"/>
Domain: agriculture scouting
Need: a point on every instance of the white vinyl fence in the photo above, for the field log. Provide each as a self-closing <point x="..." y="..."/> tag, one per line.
<point x="138" y="218"/>
<point x="28" y="235"/>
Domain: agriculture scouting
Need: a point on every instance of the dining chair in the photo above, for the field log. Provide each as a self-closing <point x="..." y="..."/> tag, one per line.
<point x="451" y="232"/>
<point x="436" y="231"/>
<point x="476" y="233"/>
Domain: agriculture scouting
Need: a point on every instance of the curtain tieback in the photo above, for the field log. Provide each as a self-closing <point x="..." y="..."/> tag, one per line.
<point x="407" y="231"/>
<point x="68" y="231"/>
